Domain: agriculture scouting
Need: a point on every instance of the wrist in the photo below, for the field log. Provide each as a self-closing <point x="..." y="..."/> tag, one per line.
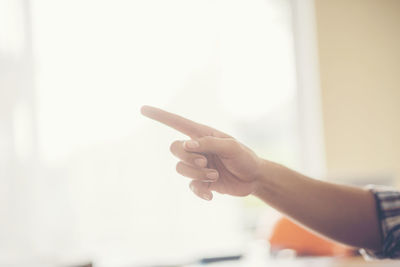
<point x="266" y="176"/>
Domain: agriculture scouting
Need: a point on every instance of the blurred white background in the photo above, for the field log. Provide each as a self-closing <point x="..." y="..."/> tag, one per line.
<point x="83" y="173"/>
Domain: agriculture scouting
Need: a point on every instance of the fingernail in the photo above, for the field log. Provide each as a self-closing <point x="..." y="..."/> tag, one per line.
<point x="206" y="197"/>
<point x="191" y="144"/>
<point x="212" y="175"/>
<point x="200" y="162"/>
<point x="209" y="181"/>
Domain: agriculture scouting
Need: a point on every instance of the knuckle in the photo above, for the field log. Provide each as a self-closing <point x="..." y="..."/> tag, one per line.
<point x="193" y="187"/>
<point x="207" y="138"/>
<point x="199" y="161"/>
<point x="232" y="143"/>
<point x="179" y="167"/>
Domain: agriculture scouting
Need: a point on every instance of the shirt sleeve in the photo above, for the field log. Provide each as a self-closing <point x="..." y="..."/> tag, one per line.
<point x="388" y="209"/>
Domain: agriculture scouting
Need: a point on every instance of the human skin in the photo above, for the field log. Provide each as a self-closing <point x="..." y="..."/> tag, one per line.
<point x="217" y="162"/>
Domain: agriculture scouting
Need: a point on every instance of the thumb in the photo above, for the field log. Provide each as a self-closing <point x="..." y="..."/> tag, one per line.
<point x="224" y="147"/>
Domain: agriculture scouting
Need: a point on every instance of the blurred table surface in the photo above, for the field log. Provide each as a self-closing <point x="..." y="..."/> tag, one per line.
<point x="310" y="262"/>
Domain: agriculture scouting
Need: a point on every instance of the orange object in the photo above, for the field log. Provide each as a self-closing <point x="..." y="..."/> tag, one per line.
<point x="289" y="235"/>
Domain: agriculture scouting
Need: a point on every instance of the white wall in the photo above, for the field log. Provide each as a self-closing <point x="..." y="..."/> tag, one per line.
<point x="359" y="55"/>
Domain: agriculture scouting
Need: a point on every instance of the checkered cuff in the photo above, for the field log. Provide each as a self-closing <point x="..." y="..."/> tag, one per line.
<point x="388" y="208"/>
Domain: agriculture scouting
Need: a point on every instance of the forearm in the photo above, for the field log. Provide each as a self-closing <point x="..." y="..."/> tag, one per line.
<point x="343" y="213"/>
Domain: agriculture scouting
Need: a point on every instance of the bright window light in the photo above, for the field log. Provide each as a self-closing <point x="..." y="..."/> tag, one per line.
<point x="229" y="64"/>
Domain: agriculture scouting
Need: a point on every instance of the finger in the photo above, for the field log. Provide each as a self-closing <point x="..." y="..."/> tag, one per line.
<point x="204" y="174"/>
<point x="181" y="124"/>
<point x="187" y="157"/>
<point x="201" y="190"/>
<point x="223" y="147"/>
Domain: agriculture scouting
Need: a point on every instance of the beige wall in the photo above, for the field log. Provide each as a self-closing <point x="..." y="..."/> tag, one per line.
<point x="359" y="52"/>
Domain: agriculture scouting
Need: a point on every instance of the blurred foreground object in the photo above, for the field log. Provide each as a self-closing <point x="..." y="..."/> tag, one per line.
<point x="289" y="235"/>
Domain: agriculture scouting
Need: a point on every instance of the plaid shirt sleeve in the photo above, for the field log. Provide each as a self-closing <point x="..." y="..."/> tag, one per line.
<point x="388" y="209"/>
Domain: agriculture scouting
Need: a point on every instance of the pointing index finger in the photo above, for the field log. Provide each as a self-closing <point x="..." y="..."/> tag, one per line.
<point x="181" y="124"/>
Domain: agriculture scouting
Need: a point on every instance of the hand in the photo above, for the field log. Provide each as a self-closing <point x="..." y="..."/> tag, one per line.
<point x="213" y="160"/>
